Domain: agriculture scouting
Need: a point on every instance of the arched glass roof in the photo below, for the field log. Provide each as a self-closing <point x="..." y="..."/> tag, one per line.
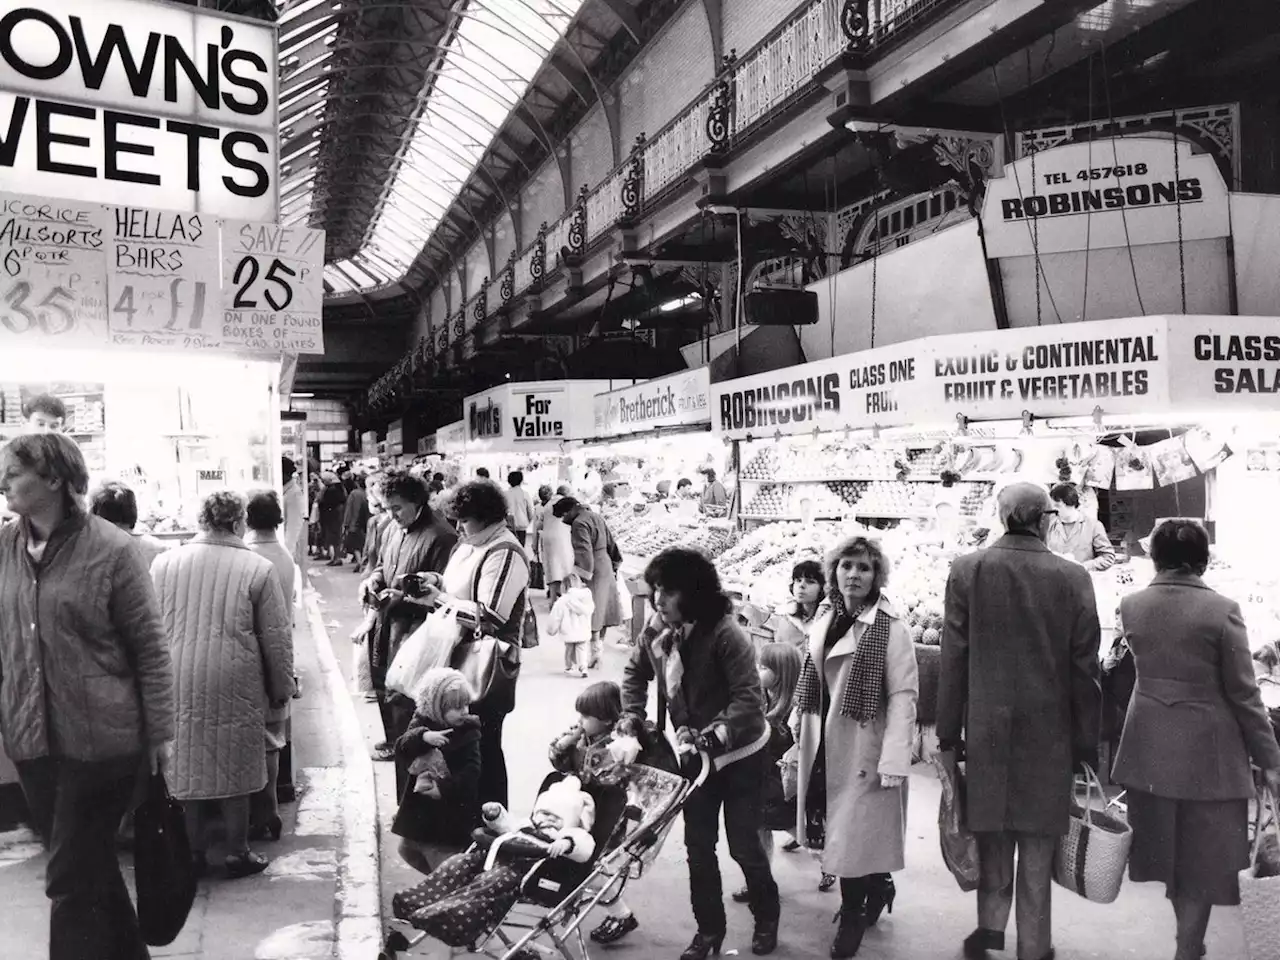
<point x="488" y="55"/>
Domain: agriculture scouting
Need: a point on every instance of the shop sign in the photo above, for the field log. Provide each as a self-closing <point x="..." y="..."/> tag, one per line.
<point x="52" y="282"/>
<point x="539" y="414"/>
<point x="684" y="398"/>
<point x="1118" y="192"/>
<point x="146" y="103"/>
<point x="1064" y="369"/>
<point x="453" y="438"/>
<point x="395" y="438"/>
<point x="163" y="279"/>
<point x="273" y="287"/>
<point x="210" y="481"/>
<point x="484" y="419"/>
<point x="1225" y="362"/>
<point x="866" y="389"/>
<point x="427" y="444"/>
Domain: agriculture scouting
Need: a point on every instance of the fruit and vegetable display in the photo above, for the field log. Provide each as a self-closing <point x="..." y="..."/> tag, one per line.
<point x="833" y="499"/>
<point x="642" y="534"/>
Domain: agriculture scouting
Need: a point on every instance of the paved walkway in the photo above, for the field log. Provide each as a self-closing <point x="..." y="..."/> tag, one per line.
<point x="317" y="900"/>
<point x="931" y="915"/>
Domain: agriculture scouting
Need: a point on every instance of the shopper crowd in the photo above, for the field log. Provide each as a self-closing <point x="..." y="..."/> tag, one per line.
<point x="120" y="658"/>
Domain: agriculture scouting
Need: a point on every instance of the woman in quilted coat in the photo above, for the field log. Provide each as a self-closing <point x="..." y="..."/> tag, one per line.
<point x="86" y="690"/>
<point x="224" y="611"/>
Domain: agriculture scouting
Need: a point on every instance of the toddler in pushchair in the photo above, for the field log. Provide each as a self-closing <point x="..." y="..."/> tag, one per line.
<point x="524" y="888"/>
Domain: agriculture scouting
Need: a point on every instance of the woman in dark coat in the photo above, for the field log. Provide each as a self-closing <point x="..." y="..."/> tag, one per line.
<point x="333" y="504"/>
<point x="595" y="560"/>
<point x="1195" y="721"/>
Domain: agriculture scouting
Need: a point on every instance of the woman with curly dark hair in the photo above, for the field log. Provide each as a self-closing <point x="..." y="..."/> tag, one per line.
<point x="224" y="610"/>
<point x="487" y="583"/>
<point x="705" y="668"/>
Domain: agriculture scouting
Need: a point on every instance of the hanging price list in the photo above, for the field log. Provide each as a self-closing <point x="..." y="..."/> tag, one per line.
<point x="272" y="292"/>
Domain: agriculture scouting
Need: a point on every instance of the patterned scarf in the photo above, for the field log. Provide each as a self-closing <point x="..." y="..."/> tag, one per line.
<point x="864" y="695"/>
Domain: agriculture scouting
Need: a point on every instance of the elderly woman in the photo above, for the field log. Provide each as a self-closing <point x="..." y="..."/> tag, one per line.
<point x="487" y="582"/>
<point x="418" y="541"/>
<point x="263" y="517"/>
<point x="229" y="630"/>
<point x="595" y="560"/>
<point x="856" y="707"/>
<point x="706" y="672"/>
<point x="1195" y="721"/>
<point x="86" y="687"/>
<point x="115" y="503"/>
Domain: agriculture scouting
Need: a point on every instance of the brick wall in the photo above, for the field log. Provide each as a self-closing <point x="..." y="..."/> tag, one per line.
<point x="592" y="157"/>
<point x="747" y="22"/>
<point x="543" y="199"/>
<point x="668" y="74"/>
<point x="504" y="240"/>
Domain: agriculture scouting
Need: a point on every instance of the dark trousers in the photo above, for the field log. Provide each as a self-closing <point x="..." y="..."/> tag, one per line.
<point x="397" y="713"/>
<point x="997" y="883"/>
<point x="493" y="762"/>
<point x="739" y="789"/>
<point x="76" y="807"/>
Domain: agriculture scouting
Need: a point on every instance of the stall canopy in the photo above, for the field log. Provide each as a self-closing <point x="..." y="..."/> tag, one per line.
<point x="1191" y="364"/>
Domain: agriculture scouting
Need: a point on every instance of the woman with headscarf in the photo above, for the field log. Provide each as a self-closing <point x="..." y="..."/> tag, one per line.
<point x="228" y="625"/>
<point x="596" y="560"/>
<point x="856" y="705"/>
<point x="86" y="690"/>
<point x="333" y="504"/>
<point x="555" y="545"/>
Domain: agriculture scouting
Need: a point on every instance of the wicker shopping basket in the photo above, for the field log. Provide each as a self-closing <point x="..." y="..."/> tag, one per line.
<point x="1091" y="856"/>
<point x="1260" y="894"/>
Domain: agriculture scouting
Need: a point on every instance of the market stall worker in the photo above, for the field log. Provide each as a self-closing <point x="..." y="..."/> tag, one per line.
<point x="713" y="493"/>
<point x="1075" y="534"/>
<point x="44" y="414"/>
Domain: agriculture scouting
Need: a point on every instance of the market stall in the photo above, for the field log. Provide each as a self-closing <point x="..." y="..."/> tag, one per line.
<point x="647" y="438"/>
<point x="1151" y="417"/>
<point x="534" y="427"/>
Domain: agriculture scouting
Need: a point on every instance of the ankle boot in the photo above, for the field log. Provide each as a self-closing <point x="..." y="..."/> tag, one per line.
<point x="880" y="896"/>
<point x="702" y="946"/>
<point x="853" y="925"/>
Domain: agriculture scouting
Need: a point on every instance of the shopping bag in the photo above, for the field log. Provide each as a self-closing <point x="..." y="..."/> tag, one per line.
<point x="959" y="846"/>
<point x="164" y="873"/>
<point x="1260" y="890"/>
<point x="537" y="576"/>
<point x="624" y="597"/>
<point x="360" y="668"/>
<point x="528" y="626"/>
<point x="428" y="647"/>
<point x="491" y="667"/>
<point x="1091" y="856"/>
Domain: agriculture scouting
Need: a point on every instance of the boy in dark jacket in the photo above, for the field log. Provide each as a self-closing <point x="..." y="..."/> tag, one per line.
<point x="448" y="808"/>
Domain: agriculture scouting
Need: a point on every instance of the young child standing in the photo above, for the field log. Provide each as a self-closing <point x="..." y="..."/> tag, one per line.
<point x="442" y="747"/>
<point x="570" y="621"/>
<point x="779" y="666"/>
<point x="584" y="752"/>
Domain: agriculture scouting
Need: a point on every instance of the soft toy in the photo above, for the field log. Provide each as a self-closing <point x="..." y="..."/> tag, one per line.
<point x="430" y="770"/>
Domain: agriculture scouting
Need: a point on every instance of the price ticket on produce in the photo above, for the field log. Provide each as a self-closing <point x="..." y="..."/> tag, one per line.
<point x="52" y="271"/>
<point x="160" y="265"/>
<point x="272" y="290"/>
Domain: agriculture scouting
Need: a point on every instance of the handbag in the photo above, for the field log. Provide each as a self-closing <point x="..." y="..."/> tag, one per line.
<point x="491" y="667"/>
<point x="537" y="576"/>
<point x="1260" y="891"/>
<point x="164" y="873"/>
<point x="429" y="646"/>
<point x="959" y="845"/>
<point x="1091" y="856"/>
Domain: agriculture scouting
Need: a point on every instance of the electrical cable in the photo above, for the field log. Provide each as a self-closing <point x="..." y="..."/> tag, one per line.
<point x="1088" y="216"/>
<point x="1115" y="159"/>
<point x="1017" y="183"/>
<point x="1177" y="199"/>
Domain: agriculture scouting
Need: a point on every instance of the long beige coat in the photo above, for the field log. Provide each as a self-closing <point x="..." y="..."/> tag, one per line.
<point x="866" y="824"/>
<point x="224" y="613"/>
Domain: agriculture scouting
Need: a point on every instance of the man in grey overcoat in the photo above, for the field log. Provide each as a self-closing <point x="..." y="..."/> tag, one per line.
<point x="1018" y="696"/>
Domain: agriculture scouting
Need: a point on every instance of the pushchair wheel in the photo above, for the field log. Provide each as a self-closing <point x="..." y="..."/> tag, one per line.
<point x="395" y="942"/>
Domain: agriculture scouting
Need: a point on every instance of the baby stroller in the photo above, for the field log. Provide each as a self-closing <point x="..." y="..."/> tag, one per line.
<point x="556" y="896"/>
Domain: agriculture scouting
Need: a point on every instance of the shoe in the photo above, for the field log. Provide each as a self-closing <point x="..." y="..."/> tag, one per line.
<point x="246" y="864"/>
<point x="880" y="897"/>
<point x="383" y="752"/>
<point x="791" y="846"/>
<point x="613" y="929"/>
<point x="741" y="895"/>
<point x="582" y="674"/>
<point x="702" y="946"/>
<point x="297" y="688"/>
<point x="594" y="664"/>
<point x="853" y="925"/>
<point x="334" y="563"/>
<point x="764" y="939"/>
<point x="826" y="883"/>
<point x="980" y="941"/>
<point x="270" y="830"/>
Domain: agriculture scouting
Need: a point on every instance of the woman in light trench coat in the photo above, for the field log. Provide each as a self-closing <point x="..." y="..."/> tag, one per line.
<point x="856" y="715"/>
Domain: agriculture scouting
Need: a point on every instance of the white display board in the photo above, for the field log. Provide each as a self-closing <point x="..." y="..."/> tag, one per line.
<point x="273" y="287"/>
<point x="682" y="399"/>
<point x="142" y="103"/>
<point x="531" y="416"/>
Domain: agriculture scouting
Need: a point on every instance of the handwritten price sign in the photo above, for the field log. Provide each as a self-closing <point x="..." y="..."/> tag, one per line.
<point x="163" y="278"/>
<point x="272" y="288"/>
<point x="52" y="272"/>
